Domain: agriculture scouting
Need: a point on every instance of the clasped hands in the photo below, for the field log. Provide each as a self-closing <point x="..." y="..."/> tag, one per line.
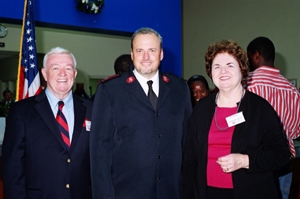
<point x="233" y="162"/>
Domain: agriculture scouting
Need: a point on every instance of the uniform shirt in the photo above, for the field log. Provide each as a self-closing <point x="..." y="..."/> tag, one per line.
<point x="143" y="82"/>
<point x="282" y="95"/>
<point x="68" y="109"/>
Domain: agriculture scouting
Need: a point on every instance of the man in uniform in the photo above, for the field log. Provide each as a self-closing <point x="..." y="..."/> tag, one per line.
<point x="141" y="120"/>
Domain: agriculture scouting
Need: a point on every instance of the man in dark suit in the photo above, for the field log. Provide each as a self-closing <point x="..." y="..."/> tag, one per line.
<point x="46" y="143"/>
<point x="140" y="130"/>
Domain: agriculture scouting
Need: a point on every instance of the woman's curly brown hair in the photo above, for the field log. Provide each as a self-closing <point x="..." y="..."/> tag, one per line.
<point x="233" y="49"/>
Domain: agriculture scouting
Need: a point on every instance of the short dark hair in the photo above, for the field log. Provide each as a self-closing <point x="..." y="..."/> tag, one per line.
<point x="145" y="31"/>
<point x="122" y="64"/>
<point x="264" y="46"/>
<point x="198" y="78"/>
<point x="233" y="49"/>
<point x="6" y="92"/>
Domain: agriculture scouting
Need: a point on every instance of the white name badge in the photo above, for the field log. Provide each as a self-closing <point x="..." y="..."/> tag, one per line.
<point x="235" y="119"/>
<point x="88" y="125"/>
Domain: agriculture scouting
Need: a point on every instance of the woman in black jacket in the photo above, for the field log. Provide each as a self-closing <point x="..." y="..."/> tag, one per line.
<point x="235" y="140"/>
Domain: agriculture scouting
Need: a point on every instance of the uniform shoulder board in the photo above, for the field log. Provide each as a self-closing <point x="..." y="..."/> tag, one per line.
<point x="108" y="78"/>
<point x="177" y="77"/>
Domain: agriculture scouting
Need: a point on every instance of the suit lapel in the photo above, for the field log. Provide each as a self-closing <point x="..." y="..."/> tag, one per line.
<point x="136" y="89"/>
<point x="164" y="90"/>
<point x="43" y="108"/>
<point x="79" y="114"/>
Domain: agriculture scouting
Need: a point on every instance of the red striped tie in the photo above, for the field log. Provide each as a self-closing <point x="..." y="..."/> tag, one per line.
<point x="63" y="125"/>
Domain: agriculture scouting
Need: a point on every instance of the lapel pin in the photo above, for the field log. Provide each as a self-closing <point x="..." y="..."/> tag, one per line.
<point x="130" y="79"/>
<point x="165" y="79"/>
<point x="87" y="124"/>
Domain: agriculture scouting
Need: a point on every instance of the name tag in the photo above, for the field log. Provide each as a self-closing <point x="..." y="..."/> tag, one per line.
<point x="88" y="125"/>
<point x="235" y="119"/>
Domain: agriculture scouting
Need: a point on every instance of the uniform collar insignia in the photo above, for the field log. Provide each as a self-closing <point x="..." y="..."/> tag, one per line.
<point x="130" y="79"/>
<point x="165" y="79"/>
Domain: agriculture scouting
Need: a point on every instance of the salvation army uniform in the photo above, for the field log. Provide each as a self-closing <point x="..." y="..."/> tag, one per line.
<point x="136" y="150"/>
<point x="36" y="162"/>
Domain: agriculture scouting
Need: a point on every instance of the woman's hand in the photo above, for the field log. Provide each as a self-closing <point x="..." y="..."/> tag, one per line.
<point x="233" y="162"/>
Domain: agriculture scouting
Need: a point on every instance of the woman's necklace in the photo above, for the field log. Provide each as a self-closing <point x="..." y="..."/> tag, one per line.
<point x="216" y="110"/>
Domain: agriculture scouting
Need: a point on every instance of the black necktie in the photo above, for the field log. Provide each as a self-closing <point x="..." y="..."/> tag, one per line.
<point x="151" y="95"/>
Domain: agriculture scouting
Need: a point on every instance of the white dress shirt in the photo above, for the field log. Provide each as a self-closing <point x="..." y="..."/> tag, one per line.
<point x="143" y="82"/>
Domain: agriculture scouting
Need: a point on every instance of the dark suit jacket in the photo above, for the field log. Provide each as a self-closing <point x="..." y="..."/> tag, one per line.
<point x="136" y="151"/>
<point x="260" y="137"/>
<point x="36" y="163"/>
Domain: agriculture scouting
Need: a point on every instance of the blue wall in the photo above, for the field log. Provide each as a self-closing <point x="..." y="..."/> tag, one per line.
<point x="125" y="16"/>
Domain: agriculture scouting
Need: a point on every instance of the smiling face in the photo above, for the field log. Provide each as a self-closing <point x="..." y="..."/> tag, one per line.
<point x="226" y="72"/>
<point x="198" y="90"/>
<point x="60" y="74"/>
<point x="146" y="54"/>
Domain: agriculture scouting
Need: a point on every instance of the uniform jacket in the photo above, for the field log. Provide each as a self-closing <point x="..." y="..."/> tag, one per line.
<point x="36" y="163"/>
<point x="260" y="137"/>
<point x="136" y="151"/>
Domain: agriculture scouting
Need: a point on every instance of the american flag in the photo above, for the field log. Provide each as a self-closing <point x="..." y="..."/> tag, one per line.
<point x="28" y="83"/>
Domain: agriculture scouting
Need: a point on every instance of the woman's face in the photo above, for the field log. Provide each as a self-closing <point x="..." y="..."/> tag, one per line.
<point x="226" y="72"/>
<point x="198" y="90"/>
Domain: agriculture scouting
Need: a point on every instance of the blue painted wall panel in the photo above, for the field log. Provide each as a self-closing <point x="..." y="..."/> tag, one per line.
<point x="128" y="16"/>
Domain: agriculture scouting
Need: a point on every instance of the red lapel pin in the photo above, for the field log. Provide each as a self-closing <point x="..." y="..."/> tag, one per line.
<point x="130" y="79"/>
<point x="165" y="79"/>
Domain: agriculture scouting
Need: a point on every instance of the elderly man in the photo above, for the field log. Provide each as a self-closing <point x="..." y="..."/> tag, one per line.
<point x="46" y="143"/>
<point x="141" y="123"/>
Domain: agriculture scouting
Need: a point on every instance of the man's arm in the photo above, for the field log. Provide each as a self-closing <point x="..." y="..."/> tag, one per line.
<point x="101" y="145"/>
<point x="13" y="155"/>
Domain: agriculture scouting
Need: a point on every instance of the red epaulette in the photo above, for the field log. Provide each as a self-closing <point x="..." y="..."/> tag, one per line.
<point x="108" y="78"/>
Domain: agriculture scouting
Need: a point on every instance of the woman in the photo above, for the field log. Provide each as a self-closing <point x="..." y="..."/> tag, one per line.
<point x="198" y="88"/>
<point x="232" y="157"/>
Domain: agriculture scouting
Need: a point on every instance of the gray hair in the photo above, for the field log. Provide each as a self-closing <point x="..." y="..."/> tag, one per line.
<point x="144" y="31"/>
<point x="58" y="50"/>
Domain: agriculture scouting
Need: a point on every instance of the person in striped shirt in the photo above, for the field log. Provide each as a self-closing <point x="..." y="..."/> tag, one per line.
<point x="266" y="81"/>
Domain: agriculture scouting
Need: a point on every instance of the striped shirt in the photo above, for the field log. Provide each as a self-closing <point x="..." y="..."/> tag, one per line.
<point x="282" y="95"/>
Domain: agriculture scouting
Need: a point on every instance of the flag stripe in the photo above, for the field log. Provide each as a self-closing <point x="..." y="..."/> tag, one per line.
<point x="28" y="83"/>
